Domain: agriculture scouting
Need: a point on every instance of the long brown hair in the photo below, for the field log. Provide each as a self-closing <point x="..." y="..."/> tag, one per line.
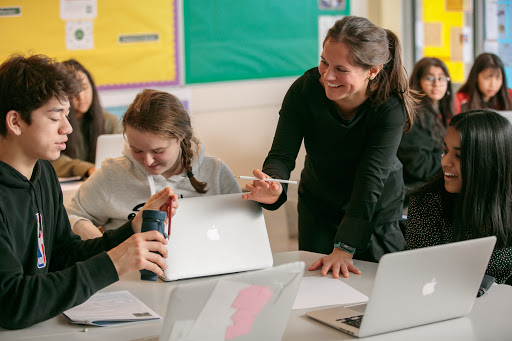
<point x="371" y="45"/>
<point x="162" y="114"/>
<point x="92" y="122"/>
<point x="421" y="68"/>
<point x="500" y="101"/>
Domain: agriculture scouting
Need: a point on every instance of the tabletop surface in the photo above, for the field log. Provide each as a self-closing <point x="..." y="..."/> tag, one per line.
<point x="489" y="319"/>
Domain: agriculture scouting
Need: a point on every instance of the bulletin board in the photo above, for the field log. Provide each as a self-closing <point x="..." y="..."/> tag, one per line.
<point x="498" y="33"/>
<point x="123" y="43"/>
<point x="235" y="40"/>
<point x="444" y="31"/>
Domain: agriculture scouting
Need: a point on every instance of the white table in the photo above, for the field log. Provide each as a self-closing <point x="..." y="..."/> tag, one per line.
<point x="490" y="318"/>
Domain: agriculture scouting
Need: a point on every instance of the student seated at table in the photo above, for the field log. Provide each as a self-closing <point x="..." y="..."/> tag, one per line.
<point x="45" y="269"/>
<point x="89" y="120"/>
<point x="472" y="196"/>
<point x="486" y="86"/>
<point x="161" y="152"/>
<point x="421" y="148"/>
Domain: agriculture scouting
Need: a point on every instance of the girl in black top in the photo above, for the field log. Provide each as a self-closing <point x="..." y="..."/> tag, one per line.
<point x="351" y="112"/>
<point x="421" y="148"/>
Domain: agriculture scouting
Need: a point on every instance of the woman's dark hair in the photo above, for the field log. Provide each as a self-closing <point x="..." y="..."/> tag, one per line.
<point x="420" y="70"/>
<point x="92" y="124"/>
<point x="501" y="101"/>
<point x="371" y="45"/>
<point x="484" y="205"/>
<point x="163" y="114"/>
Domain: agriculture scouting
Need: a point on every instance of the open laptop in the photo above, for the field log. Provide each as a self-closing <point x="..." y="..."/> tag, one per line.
<point x="505" y="113"/>
<point x="249" y="306"/>
<point x="217" y="234"/>
<point x="107" y="146"/>
<point x="416" y="287"/>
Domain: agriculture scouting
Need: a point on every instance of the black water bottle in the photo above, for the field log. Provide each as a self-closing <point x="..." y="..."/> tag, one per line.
<point x="152" y="220"/>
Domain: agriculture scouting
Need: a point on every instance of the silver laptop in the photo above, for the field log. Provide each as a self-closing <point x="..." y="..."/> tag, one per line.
<point x="417" y="287"/>
<point x="505" y="113"/>
<point x="217" y="234"/>
<point x="108" y="146"/>
<point x="250" y="306"/>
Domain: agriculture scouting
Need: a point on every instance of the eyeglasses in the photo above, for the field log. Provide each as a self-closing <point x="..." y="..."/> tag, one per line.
<point x="440" y="80"/>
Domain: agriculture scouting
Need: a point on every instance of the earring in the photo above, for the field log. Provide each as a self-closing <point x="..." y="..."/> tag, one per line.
<point x="370" y="79"/>
<point x="448" y="93"/>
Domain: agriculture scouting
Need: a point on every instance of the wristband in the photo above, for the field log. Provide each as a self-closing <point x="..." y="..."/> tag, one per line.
<point x="345" y="247"/>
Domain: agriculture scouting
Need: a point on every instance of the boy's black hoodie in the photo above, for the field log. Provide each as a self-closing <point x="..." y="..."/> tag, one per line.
<point x="71" y="270"/>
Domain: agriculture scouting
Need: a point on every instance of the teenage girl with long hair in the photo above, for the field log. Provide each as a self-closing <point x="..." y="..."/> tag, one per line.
<point x="472" y="196"/>
<point x="161" y="151"/>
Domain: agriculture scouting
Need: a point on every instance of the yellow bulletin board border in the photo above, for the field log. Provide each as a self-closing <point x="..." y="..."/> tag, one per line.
<point x="134" y="44"/>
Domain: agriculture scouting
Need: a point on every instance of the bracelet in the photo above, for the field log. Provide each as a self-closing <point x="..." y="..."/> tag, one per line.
<point x="345" y="247"/>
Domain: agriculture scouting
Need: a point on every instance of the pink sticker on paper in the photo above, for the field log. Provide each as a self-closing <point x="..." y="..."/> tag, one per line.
<point x="249" y="302"/>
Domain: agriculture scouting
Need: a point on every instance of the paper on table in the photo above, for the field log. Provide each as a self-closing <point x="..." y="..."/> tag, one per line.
<point x="317" y="291"/>
<point x="110" y="308"/>
<point x="69" y="179"/>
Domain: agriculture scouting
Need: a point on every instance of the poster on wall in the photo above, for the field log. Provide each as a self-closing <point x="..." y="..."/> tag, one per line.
<point x="498" y="33"/>
<point x="444" y="31"/>
<point x="123" y="43"/>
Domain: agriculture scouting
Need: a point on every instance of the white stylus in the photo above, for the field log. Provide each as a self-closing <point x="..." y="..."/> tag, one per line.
<point x="266" y="179"/>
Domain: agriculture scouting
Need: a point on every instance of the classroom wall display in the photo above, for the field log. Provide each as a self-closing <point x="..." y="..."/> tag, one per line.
<point x="498" y="33"/>
<point x="234" y="40"/>
<point x="444" y="30"/>
<point x="123" y="43"/>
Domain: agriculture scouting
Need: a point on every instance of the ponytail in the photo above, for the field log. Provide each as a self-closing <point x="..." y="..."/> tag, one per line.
<point x="393" y="78"/>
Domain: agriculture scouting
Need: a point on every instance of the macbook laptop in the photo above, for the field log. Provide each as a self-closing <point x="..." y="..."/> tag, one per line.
<point x="250" y="306"/>
<point x="505" y="113"/>
<point x="216" y="234"/>
<point x="416" y="287"/>
<point x="107" y="146"/>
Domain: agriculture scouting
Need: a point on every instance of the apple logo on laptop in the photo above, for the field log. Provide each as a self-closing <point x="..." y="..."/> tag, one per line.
<point x="430" y="287"/>
<point x="213" y="233"/>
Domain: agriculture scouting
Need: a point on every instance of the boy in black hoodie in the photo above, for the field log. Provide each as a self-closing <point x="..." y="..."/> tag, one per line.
<point x="45" y="269"/>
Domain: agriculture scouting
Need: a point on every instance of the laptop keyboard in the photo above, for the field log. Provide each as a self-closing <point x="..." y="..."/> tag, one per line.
<point x="354" y="321"/>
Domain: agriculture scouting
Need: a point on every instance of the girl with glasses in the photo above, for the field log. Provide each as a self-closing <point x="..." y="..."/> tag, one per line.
<point x="421" y="148"/>
<point x="486" y="86"/>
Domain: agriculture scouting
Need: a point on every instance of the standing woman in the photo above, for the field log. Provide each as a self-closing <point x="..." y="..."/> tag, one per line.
<point x="486" y="86"/>
<point x="422" y="147"/>
<point x="351" y="111"/>
<point x="472" y="196"/>
<point x="89" y="120"/>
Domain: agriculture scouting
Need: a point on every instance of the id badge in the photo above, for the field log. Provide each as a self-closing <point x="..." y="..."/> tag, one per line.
<point x="41" y="254"/>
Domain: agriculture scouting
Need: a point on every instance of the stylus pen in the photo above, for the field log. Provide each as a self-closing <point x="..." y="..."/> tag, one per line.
<point x="170" y="215"/>
<point x="266" y="179"/>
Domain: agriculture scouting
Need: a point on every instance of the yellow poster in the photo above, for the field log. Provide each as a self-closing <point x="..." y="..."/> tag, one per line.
<point x="123" y="43"/>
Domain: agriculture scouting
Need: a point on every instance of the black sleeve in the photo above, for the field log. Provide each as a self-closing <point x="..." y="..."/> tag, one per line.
<point x="420" y="158"/>
<point x="77" y="270"/>
<point x="372" y="172"/>
<point x="280" y="161"/>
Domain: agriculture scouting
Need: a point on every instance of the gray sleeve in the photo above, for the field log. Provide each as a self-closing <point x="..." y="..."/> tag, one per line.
<point x="91" y="200"/>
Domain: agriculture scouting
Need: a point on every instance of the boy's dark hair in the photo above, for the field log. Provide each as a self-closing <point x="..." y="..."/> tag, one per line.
<point x="28" y="83"/>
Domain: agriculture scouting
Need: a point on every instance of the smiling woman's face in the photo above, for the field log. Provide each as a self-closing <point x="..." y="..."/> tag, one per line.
<point x="451" y="161"/>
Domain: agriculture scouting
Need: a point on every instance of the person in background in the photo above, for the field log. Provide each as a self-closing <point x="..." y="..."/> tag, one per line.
<point x="486" y="86"/>
<point x="161" y="151"/>
<point x="472" y="196"/>
<point x="351" y="112"/>
<point x="89" y="120"/>
<point x="45" y="268"/>
<point x="422" y="147"/>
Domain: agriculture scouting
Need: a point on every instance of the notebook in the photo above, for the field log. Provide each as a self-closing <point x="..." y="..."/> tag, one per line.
<point x="250" y="306"/>
<point x="107" y="146"/>
<point x="216" y="234"/>
<point x="416" y="287"/>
